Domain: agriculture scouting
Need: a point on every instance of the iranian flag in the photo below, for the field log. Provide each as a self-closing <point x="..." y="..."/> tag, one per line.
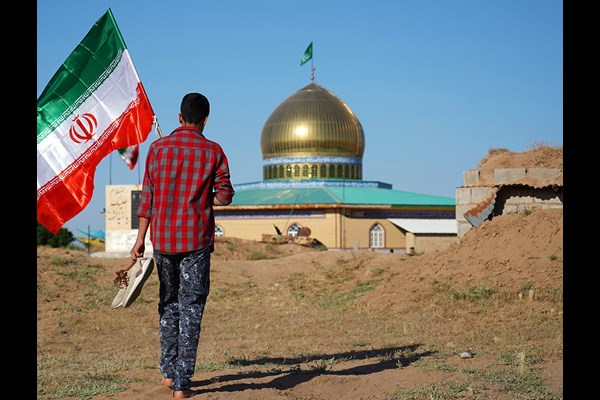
<point x="94" y="104"/>
<point x="130" y="155"/>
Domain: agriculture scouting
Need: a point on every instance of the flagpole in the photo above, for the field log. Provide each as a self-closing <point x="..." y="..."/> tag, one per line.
<point x="158" y="130"/>
<point x="312" y="66"/>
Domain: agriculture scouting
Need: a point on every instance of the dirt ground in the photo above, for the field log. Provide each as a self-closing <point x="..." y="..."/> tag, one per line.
<point x="290" y="322"/>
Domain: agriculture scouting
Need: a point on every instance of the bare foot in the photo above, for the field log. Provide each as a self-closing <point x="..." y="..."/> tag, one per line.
<point x="183" y="394"/>
<point x="167" y="382"/>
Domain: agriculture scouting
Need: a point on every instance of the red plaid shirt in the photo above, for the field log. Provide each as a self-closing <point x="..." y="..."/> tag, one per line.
<point x="182" y="172"/>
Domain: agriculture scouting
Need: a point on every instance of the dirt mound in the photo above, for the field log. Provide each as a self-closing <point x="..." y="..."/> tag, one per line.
<point x="241" y="249"/>
<point x="516" y="254"/>
<point x="540" y="156"/>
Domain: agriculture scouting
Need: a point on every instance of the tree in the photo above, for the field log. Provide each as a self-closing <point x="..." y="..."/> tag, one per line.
<point x="62" y="238"/>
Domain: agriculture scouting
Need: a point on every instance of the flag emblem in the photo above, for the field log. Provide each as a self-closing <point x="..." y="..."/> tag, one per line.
<point x="83" y="128"/>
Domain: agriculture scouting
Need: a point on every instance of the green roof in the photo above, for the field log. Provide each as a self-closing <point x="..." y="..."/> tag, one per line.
<point x="336" y="195"/>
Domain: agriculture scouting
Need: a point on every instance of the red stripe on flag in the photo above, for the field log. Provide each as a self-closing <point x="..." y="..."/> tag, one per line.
<point x="68" y="196"/>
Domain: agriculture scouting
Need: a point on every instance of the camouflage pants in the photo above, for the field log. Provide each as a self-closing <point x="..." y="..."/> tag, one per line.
<point x="184" y="286"/>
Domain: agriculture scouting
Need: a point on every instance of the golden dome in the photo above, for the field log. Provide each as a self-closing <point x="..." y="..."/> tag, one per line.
<point x="315" y="133"/>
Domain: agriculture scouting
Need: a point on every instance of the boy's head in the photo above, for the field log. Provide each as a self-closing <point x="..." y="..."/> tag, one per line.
<point x="194" y="108"/>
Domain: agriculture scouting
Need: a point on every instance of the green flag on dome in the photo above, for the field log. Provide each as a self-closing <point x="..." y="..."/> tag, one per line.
<point x="307" y="55"/>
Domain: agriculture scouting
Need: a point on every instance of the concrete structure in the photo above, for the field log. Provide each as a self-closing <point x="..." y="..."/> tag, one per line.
<point x="121" y="222"/>
<point x="427" y="235"/>
<point x="513" y="190"/>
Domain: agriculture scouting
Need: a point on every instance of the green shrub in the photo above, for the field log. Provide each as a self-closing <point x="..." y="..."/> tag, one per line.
<point x="62" y="238"/>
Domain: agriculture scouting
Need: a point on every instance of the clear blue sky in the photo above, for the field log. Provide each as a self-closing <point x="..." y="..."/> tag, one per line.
<point x="435" y="83"/>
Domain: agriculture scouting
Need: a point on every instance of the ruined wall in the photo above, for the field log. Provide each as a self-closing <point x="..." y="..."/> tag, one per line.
<point x="512" y="190"/>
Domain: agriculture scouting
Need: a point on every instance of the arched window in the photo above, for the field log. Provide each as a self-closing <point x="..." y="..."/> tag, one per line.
<point x="313" y="171"/>
<point x="347" y="171"/>
<point x="376" y="236"/>
<point x="331" y="171"/>
<point x="288" y="171"/>
<point x="305" y="171"/>
<point x="323" y="171"/>
<point x="293" y="230"/>
<point x="340" y="171"/>
<point x="296" y="170"/>
<point x="280" y="172"/>
<point x="218" y="231"/>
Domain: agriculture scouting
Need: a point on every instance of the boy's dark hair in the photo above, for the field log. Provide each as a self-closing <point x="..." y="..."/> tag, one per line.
<point x="194" y="108"/>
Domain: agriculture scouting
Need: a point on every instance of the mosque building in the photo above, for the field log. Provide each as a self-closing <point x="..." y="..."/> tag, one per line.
<point x="312" y="149"/>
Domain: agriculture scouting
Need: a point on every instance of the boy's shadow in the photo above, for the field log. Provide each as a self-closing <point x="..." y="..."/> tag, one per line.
<point x="293" y="376"/>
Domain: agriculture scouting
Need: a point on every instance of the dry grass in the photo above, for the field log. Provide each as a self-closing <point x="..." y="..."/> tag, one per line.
<point x="306" y="320"/>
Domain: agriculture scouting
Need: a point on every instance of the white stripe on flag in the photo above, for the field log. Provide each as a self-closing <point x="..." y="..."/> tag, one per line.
<point x="57" y="151"/>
